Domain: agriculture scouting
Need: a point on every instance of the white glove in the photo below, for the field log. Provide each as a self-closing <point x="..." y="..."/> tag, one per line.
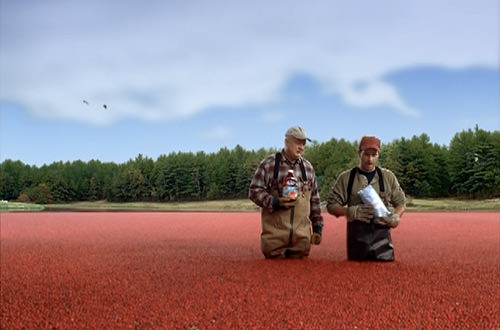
<point x="361" y="212"/>
<point x="389" y="221"/>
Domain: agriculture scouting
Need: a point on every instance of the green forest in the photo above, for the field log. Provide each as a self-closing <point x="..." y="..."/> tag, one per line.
<point x="468" y="168"/>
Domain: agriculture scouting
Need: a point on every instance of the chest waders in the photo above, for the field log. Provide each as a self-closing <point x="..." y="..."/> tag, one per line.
<point x="368" y="241"/>
<point x="287" y="232"/>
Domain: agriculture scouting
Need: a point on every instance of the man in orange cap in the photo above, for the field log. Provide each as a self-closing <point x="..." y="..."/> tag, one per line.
<point x="368" y="233"/>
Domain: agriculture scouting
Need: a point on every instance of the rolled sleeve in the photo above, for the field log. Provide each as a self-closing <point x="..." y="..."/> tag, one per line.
<point x="258" y="191"/>
<point x="315" y="214"/>
<point x="338" y="196"/>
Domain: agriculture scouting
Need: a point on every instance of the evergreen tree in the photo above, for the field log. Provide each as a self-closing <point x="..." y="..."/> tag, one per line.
<point x="470" y="168"/>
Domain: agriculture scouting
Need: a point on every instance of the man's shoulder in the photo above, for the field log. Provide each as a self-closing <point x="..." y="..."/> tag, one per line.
<point x="306" y="162"/>
<point x="386" y="171"/>
<point x="269" y="159"/>
<point x="346" y="172"/>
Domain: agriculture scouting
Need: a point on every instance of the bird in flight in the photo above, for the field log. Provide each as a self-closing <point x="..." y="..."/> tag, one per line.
<point x="105" y="106"/>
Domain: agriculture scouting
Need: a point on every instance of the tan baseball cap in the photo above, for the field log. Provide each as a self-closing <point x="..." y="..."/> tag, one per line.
<point x="297" y="132"/>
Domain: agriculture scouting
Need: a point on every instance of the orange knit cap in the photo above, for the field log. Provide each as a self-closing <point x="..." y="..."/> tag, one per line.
<point x="369" y="142"/>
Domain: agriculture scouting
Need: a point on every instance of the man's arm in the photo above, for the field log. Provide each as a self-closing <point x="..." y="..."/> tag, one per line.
<point x="335" y="204"/>
<point x="400" y="210"/>
<point x="315" y="211"/>
<point x="398" y="202"/>
<point x="336" y="209"/>
<point x="315" y="202"/>
<point x="257" y="191"/>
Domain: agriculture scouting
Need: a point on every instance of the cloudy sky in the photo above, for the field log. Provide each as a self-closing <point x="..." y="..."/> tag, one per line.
<point x="195" y="76"/>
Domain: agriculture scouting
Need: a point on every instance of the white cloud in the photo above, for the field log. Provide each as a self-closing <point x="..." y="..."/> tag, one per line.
<point x="216" y="133"/>
<point x="377" y="93"/>
<point x="166" y="60"/>
<point x="271" y="117"/>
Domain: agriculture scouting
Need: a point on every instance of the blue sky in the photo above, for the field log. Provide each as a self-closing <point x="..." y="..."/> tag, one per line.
<point x="195" y="76"/>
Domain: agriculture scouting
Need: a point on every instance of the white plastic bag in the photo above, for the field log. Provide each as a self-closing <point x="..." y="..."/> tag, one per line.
<point x="370" y="196"/>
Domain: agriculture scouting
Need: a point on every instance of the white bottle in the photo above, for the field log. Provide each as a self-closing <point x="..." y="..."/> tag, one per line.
<point x="290" y="187"/>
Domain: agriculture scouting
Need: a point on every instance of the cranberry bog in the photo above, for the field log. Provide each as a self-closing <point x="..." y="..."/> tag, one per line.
<point x="205" y="271"/>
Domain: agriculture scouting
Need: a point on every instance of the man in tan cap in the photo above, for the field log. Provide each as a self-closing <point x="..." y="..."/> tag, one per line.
<point x="289" y="225"/>
<point x="368" y="235"/>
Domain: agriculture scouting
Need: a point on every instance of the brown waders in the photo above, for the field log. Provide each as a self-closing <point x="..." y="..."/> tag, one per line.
<point x="286" y="233"/>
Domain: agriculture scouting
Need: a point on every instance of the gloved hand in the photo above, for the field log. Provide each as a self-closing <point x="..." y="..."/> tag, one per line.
<point x="361" y="212"/>
<point x="389" y="221"/>
<point x="316" y="235"/>
<point x="283" y="203"/>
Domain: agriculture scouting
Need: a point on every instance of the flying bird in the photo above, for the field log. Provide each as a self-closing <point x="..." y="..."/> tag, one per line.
<point x="105" y="106"/>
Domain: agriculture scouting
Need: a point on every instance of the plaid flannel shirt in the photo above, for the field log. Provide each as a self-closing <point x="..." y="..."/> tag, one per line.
<point x="260" y="187"/>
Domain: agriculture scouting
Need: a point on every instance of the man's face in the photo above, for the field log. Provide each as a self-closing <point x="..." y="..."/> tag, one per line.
<point x="368" y="159"/>
<point x="294" y="148"/>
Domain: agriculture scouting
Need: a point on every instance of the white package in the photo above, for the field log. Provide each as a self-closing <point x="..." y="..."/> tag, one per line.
<point x="370" y="196"/>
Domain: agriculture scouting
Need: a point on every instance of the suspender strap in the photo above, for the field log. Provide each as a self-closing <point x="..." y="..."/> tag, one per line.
<point x="381" y="179"/>
<point x="351" y="182"/>
<point x="303" y="169"/>
<point x="381" y="185"/>
<point x="277" y="161"/>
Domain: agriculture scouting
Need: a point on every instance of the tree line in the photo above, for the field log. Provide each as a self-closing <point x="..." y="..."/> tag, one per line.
<point x="468" y="168"/>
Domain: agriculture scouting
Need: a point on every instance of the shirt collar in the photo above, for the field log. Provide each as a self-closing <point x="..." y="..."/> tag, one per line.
<point x="297" y="161"/>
